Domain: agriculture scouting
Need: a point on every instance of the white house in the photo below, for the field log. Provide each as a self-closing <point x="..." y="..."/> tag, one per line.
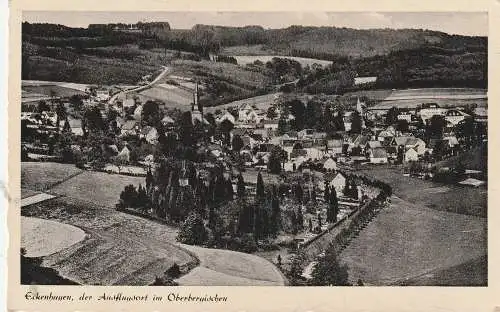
<point x="270" y="124"/>
<point x="102" y="94"/>
<point x="404" y="116"/>
<point x="454" y="116"/>
<point x="411" y="155"/>
<point x="329" y="164"/>
<point x="338" y="182"/>
<point x="138" y="113"/>
<point x="430" y="109"/>
<point x="226" y="116"/>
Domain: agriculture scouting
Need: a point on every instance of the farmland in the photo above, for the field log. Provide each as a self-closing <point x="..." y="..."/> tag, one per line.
<point x="452" y="198"/>
<point x="121" y="249"/>
<point x="39" y="176"/>
<point x="412" y="98"/>
<point x="98" y="187"/>
<point x="230" y="268"/>
<point x="407" y="240"/>
<point x="249" y="59"/>
<point x="42" y="237"/>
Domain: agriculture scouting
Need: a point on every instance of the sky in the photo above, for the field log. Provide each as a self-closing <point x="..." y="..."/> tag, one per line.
<point x="462" y="23"/>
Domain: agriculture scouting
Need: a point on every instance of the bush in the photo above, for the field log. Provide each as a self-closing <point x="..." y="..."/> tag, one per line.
<point x="193" y="231"/>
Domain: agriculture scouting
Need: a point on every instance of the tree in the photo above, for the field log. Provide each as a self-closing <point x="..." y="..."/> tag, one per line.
<point x="186" y="130"/>
<point x="61" y="114"/>
<point x="275" y="159"/>
<point x="42" y="107"/>
<point x="271" y="112"/>
<point x="129" y="196"/>
<point x="240" y="187"/>
<point x="193" y="231"/>
<point x="282" y="125"/>
<point x="328" y="271"/>
<point x="347" y="188"/>
<point x="436" y="126"/>
<point x="299" y="193"/>
<point x="237" y="143"/>
<point x="259" y="194"/>
<point x="225" y="128"/>
<point x="392" y="115"/>
<point x="354" y="190"/>
<point x="327" y="192"/>
<point x="92" y="119"/>
<point x="333" y="207"/>
<point x="402" y="125"/>
<point x="356" y="122"/>
<point x="151" y="114"/>
<point x="298" y="109"/>
<point x="275" y="213"/>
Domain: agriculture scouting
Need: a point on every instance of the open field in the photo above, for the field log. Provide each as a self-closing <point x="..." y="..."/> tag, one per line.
<point x="41" y="237"/>
<point x="470" y="273"/>
<point x="46" y="89"/>
<point x="97" y="187"/>
<point x="262" y="102"/>
<point x="411" y="98"/>
<point x="407" y="240"/>
<point x="452" y="198"/>
<point x="173" y="96"/>
<point x="121" y="249"/>
<point x="25" y="193"/>
<point x="249" y="59"/>
<point x="230" y="268"/>
<point x="40" y="176"/>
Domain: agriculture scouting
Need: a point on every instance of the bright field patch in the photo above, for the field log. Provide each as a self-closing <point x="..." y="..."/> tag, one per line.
<point x="225" y="267"/>
<point x="39" y="176"/>
<point x="97" y="187"/>
<point x="42" y="237"/>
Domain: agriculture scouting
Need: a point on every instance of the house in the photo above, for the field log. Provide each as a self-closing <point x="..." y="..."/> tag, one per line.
<point x="102" y="94"/>
<point x="452" y="141"/>
<point x="334" y="147"/>
<point x="226" y="116"/>
<point x="378" y="156"/>
<point x="387" y="134"/>
<point x="168" y="121"/>
<point x="262" y="132"/>
<point x="454" y="116"/>
<point x="364" y="80"/>
<point x="338" y="182"/>
<point x="128" y="103"/>
<point x="76" y="126"/>
<point x="138" y="113"/>
<point x="314" y="153"/>
<point x="150" y="134"/>
<point x="347" y="118"/>
<point x="270" y="124"/>
<point x="405" y="116"/>
<point x="410" y="155"/>
<point x="130" y="127"/>
<point x="305" y="133"/>
<point x="124" y="155"/>
<point x="329" y="164"/>
<point x="427" y="110"/>
<point x="197" y="116"/>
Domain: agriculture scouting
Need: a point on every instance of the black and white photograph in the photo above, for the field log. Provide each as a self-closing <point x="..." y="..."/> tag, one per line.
<point x="254" y="148"/>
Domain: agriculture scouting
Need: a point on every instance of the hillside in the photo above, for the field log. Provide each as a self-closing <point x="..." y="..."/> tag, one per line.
<point x="399" y="58"/>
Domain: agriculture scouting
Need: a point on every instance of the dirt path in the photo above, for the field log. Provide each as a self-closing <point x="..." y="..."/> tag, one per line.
<point x="407" y="240"/>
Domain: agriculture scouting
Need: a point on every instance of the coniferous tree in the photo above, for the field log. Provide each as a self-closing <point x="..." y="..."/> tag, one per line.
<point x="229" y="189"/>
<point x="333" y="207"/>
<point x="327" y="192"/>
<point x="260" y="188"/>
<point x="299" y="193"/>
<point x="354" y="190"/>
<point x="300" y="220"/>
<point x="240" y="186"/>
<point x="328" y="271"/>
<point x="347" y="188"/>
<point x="310" y="225"/>
<point x="275" y="213"/>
